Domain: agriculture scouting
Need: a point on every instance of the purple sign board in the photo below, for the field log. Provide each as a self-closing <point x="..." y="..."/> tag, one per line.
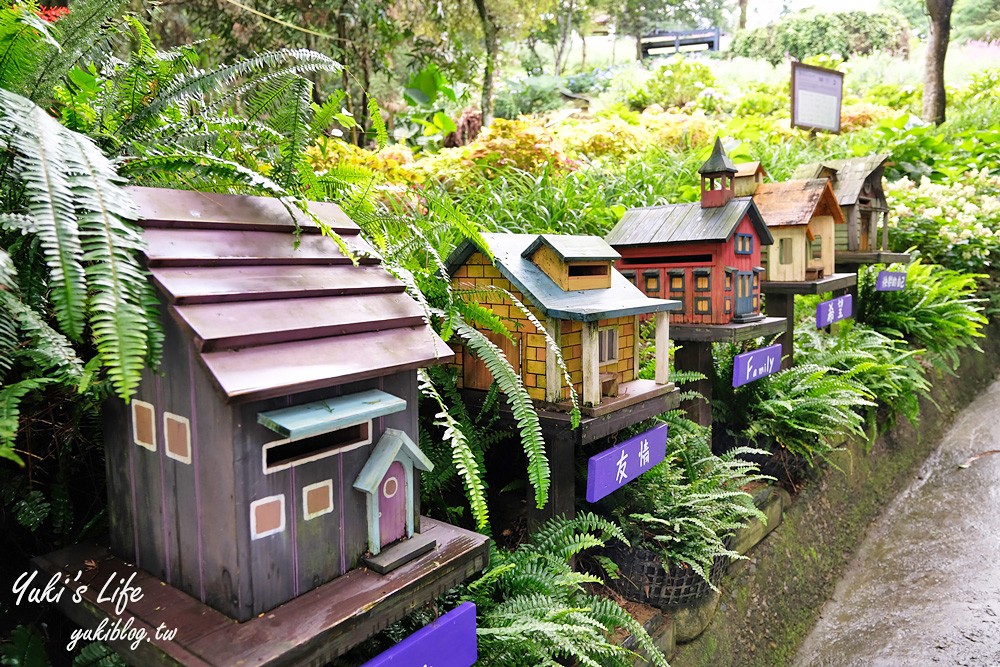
<point x="450" y="641"/>
<point x="816" y="97"/>
<point x="834" y="310"/>
<point x="751" y="366"/>
<point x="614" y="468"/>
<point x="890" y="281"/>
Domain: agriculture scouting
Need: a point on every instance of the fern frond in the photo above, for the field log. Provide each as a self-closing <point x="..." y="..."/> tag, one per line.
<point x="10" y="405"/>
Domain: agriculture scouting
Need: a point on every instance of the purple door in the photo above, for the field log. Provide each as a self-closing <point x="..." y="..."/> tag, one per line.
<point x="392" y="505"/>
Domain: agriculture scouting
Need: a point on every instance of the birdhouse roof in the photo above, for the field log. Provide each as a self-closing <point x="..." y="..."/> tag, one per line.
<point x="391" y="446"/>
<point x="622" y="299"/>
<point x="718" y="162"/>
<point x="851" y="174"/>
<point x="796" y="202"/>
<point x="574" y="248"/>
<point x="744" y="169"/>
<point x="271" y="316"/>
<point x="686" y="223"/>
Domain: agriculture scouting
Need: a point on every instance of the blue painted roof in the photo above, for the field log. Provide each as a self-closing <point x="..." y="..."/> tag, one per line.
<point x="305" y="421"/>
<point x="622" y="299"/>
<point x="391" y="446"/>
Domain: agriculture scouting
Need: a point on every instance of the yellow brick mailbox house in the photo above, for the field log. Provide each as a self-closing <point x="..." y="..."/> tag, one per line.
<point x="591" y="310"/>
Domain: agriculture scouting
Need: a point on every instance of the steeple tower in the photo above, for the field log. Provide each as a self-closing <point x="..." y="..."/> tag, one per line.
<point x="717" y="178"/>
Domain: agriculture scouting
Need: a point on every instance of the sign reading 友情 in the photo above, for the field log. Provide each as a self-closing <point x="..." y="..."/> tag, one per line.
<point x="890" y="281"/>
<point x="614" y="468"/>
<point x="834" y="310"/>
<point x="450" y="641"/>
<point x="751" y="366"/>
<point x="816" y="97"/>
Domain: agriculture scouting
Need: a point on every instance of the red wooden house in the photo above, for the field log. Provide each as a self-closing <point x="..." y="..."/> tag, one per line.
<point x="705" y="254"/>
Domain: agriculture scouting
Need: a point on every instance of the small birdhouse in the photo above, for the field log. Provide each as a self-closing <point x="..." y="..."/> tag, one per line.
<point x="706" y="255"/>
<point x="748" y="176"/>
<point x="857" y="183"/>
<point x="274" y="451"/>
<point x="591" y="311"/>
<point x="802" y="216"/>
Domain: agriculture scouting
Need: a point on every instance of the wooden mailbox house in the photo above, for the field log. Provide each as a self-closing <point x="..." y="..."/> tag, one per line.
<point x="275" y="449"/>
<point x="802" y="217"/>
<point x="857" y="182"/>
<point x="749" y="175"/>
<point x="590" y="310"/>
<point x="706" y="254"/>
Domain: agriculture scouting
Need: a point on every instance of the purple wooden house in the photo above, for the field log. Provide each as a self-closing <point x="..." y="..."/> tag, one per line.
<point x="275" y="449"/>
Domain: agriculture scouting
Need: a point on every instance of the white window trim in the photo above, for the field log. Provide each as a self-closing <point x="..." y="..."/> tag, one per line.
<point x="617" y="351"/>
<point x="254" y="535"/>
<point x="187" y="429"/>
<point x="315" y="457"/>
<point x="325" y="484"/>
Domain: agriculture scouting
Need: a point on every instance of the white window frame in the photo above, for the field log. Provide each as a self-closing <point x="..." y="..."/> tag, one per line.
<point x="326" y="484"/>
<point x="186" y="423"/>
<point x="610" y="332"/>
<point x="254" y="535"/>
<point x="315" y="457"/>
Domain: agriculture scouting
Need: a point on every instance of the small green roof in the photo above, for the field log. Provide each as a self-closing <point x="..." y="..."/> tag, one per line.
<point x="719" y="162"/>
<point x="574" y="248"/>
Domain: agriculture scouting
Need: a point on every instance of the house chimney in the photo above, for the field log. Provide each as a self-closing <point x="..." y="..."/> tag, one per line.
<point x="717" y="178"/>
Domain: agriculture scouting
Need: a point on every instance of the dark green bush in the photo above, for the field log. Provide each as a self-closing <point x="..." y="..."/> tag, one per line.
<point x="533" y="95"/>
<point x="673" y="84"/>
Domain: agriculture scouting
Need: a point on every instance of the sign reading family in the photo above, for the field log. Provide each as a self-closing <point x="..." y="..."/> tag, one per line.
<point x="834" y="310"/>
<point x="450" y="641"/>
<point x="751" y="366"/>
<point x="614" y="468"/>
<point x="890" y="281"/>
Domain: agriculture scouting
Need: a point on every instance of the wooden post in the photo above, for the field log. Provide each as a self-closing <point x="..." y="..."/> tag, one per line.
<point x="553" y="374"/>
<point x="697" y="356"/>
<point x="591" y="364"/>
<point x="662" y="348"/>
<point x="560" y="448"/>
<point x="885" y="230"/>
<point x="783" y="305"/>
<point x="636" y="348"/>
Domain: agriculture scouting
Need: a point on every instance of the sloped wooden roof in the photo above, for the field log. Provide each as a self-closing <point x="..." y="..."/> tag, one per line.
<point x="744" y="169"/>
<point x="622" y="299"/>
<point x="685" y="223"/>
<point x="267" y="318"/>
<point x="574" y="248"/>
<point x="797" y="202"/>
<point x="851" y="174"/>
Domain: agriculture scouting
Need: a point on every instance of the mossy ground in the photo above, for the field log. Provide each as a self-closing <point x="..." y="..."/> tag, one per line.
<point x="771" y="602"/>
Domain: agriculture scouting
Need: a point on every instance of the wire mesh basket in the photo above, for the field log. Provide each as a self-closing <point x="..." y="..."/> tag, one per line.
<point x="642" y="578"/>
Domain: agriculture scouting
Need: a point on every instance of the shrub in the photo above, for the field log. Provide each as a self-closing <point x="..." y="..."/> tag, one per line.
<point x="532" y="95"/>
<point x="394" y="163"/>
<point x="674" y="84"/>
<point x="603" y="138"/>
<point x="856" y="116"/>
<point x="675" y="131"/>
<point x="597" y="80"/>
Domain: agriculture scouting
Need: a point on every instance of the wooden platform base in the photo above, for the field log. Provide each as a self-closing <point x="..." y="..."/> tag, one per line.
<point x="726" y="333"/>
<point x="310" y="630"/>
<point x="850" y="261"/>
<point x="837" y="281"/>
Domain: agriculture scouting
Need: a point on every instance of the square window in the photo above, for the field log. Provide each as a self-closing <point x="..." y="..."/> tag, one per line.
<point x="729" y="281"/>
<point x="652" y="282"/>
<point x="144" y="424"/>
<point x="744" y="244"/>
<point x="177" y="437"/>
<point x="317" y="499"/>
<point x="817" y="247"/>
<point x="607" y="343"/>
<point x="677" y="283"/>
<point x="756" y="280"/>
<point x="702" y="306"/>
<point x="728" y="303"/>
<point x="267" y="516"/>
<point x="630" y="275"/>
<point x="702" y="280"/>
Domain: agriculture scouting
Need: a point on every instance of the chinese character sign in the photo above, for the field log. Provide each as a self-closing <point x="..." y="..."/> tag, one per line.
<point x="834" y="310"/>
<point x="890" y="281"/>
<point x="450" y="641"/>
<point x="751" y="366"/>
<point x="614" y="468"/>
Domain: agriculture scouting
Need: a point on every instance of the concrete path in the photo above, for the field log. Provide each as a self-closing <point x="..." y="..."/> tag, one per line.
<point x="924" y="589"/>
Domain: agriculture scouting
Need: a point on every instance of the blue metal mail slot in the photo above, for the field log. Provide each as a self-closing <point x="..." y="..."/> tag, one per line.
<point x="305" y="421"/>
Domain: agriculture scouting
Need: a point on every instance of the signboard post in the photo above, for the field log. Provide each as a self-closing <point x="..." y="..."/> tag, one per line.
<point x="816" y="97"/>
<point x="614" y="468"/>
<point x="890" y="281"/>
<point x="751" y="366"/>
<point x="834" y="310"/>
<point x="450" y="641"/>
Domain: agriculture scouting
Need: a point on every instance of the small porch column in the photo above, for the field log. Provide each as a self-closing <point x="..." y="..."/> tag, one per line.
<point x="553" y="374"/>
<point x="662" y="347"/>
<point x="885" y="231"/>
<point x="591" y="364"/>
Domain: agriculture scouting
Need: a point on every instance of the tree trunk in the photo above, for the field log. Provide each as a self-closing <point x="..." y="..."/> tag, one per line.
<point x="937" y="48"/>
<point x="583" y="51"/>
<point x="743" y="15"/>
<point x="491" y="40"/>
<point x="638" y="46"/>
<point x="565" y="37"/>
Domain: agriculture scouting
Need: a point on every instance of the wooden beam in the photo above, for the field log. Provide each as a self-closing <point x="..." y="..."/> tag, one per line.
<point x="553" y="374"/>
<point x="778" y="304"/>
<point x="697" y="356"/>
<point x="591" y="364"/>
<point x="662" y="348"/>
